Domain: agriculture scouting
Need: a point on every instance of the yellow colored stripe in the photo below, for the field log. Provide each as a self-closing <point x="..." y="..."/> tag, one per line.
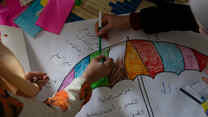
<point x="133" y="63"/>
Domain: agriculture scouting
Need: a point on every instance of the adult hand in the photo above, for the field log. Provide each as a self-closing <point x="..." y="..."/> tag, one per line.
<point x="110" y="22"/>
<point x="96" y="69"/>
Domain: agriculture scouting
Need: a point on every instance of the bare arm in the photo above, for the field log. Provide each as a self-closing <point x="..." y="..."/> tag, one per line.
<point x="13" y="73"/>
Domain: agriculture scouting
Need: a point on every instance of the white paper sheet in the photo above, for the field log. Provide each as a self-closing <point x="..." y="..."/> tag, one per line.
<point x="118" y="51"/>
<point x="123" y="100"/>
<point x="167" y="100"/>
<point x="198" y="89"/>
<point x="13" y="38"/>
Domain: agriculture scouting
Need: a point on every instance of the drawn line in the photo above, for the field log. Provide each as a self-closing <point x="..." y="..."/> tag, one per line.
<point x="140" y="88"/>
<point x="147" y="97"/>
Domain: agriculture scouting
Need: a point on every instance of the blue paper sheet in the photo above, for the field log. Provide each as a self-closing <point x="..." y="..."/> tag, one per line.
<point x="28" y="18"/>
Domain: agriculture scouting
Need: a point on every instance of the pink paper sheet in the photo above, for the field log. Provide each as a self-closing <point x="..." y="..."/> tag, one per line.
<point x="55" y="13"/>
<point x="9" y="12"/>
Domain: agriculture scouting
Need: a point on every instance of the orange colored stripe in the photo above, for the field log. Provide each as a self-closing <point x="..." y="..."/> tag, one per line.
<point x="133" y="63"/>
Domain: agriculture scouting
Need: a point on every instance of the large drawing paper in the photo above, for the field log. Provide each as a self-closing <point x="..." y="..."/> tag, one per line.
<point x="56" y="55"/>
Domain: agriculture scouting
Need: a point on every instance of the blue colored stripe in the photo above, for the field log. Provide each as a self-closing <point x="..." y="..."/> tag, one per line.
<point x="81" y="66"/>
<point x="171" y="56"/>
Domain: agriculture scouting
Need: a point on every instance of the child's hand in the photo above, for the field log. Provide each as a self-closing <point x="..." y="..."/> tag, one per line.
<point x="96" y="69"/>
<point x="118" y="72"/>
<point x="110" y="22"/>
<point x="38" y="79"/>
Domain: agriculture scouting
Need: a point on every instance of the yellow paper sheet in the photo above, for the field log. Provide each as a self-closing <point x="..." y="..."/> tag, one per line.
<point x="44" y="2"/>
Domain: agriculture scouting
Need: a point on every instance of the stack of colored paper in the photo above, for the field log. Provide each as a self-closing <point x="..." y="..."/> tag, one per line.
<point x="9" y="9"/>
<point x="49" y="15"/>
<point x="54" y="15"/>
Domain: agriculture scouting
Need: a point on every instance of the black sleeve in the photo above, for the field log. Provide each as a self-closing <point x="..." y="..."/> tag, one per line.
<point x="167" y="18"/>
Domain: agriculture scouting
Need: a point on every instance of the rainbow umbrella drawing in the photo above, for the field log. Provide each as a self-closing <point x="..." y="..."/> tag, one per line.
<point x="149" y="58"/>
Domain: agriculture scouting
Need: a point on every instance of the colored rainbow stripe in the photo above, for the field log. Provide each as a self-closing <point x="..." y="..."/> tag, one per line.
<point x="160" y="57"/>
<point x="149" y="58"/>
<point x="79" y="68"/>
<point x="133" y="62"/>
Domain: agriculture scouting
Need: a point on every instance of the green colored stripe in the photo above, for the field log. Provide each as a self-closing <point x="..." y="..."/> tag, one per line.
<point x="102" y="81"/>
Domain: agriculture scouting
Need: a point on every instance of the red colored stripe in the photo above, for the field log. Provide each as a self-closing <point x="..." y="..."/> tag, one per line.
<point x="149" y="56"/>
<point x="201" y="59"/>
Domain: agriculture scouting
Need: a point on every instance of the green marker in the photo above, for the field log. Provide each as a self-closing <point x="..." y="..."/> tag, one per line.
<point x="103" y="81"/>
<point x="100" y="38"/>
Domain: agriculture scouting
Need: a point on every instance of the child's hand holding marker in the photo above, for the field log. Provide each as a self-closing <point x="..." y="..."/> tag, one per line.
<point x="96" y="70"/>
<point x="104" y="80"/>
